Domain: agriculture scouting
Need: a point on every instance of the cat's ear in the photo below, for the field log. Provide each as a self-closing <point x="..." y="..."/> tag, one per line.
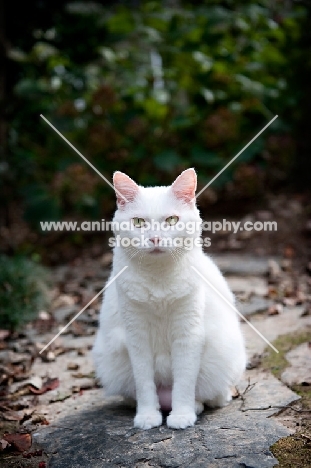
<point x="126" y="189"/>
<point x="185" y="186"/>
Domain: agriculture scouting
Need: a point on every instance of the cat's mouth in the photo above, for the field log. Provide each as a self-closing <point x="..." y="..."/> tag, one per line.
<point x="156" y="250"/>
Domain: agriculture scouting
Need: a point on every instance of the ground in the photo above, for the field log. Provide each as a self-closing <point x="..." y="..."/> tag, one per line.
<point x="54" y="414"/>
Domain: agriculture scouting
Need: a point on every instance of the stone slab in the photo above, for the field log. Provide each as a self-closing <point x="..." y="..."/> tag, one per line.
<point x="299" y="372"/>
<point x="101" y="434"/>
<point x="242" y="264"/>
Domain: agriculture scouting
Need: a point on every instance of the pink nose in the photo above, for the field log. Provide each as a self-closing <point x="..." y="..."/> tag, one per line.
<point x="155" y="240"/>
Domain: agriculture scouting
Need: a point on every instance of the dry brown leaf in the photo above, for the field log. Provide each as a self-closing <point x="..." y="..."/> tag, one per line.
<point x="50" y="384"/>
<point x="39" y="419"/>
<point x="10" y="415"/>
<point x="20" y="442"/>
<point x="289" y="301"/>
<point x="62" y="301"/>
<point x="235" y="393"/>
<point x="3" y="444"/>
<point x="72" y="366"/>
<point x="4" y="334"/>
<point x="275" y="309"/>
<point x="80" y="375"/>
<point x="106" y="259"/>
<point x="35" y="381"/>
<point x="289" y="252"/>
<point x="307" y="311"/>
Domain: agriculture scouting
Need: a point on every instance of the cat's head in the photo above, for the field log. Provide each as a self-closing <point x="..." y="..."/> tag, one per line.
<point x="157" y="220"/>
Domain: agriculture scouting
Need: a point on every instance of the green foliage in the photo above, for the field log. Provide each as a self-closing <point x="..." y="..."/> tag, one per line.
<point x="22" y="291"/>
<point x="149" y="90"/>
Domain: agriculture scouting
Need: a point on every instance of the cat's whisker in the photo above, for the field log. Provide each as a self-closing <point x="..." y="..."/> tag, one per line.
<point x="141" y="257"/>
<point x="175" y="258"/>
<point x="133" y="254"/>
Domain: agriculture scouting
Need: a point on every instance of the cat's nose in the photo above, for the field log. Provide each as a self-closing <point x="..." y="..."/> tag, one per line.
<point x="155" y="240"/>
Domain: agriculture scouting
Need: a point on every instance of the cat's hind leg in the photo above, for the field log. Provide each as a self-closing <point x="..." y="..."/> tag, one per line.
<point x="220" y="400"/>
<point x="199" y="407"/>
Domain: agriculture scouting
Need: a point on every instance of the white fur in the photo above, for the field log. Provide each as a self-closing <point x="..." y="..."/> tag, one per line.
<point x="162" y="325"/>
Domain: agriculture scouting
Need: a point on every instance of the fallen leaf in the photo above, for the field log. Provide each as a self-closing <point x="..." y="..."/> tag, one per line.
<point x="38" y="418"/>
<point x="77" y="329"/>
<point x="272" y="292"/>
<point x="50" y="384"/>
<point x="72" y="366"/>
<point x="275" y="309"/>
<point x="106" y="259"/>
<point x="35" y="381"/>
<point x="235" y="393"/>
<point x="254" y="362"/>
<point x="286" y="264"/>
<point x="62" y="301"/>
<point x="4" y="334"/>
<point x="301" y="298"/>
<point x="11" y="415"/>
<point x="289" y="252"/>
<point x="49" y="356"/>
<point x="289" y="301"/>
<point x="80" y="375"/>
<point x="20" y="442"/>
<point x="274" y="270"/>
<point x="3" y="444"/>
<point x="43" y="315"/>
<point x="60" y="397"/>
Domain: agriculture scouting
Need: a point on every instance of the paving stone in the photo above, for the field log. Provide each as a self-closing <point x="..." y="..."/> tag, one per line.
<point x="242" y="264"/>
<point x="271" y="327"/>
<point x="254" y="305"/>
<point x="103" y="436"/>
<point x="250" y="285"/>
<point x="300" y="370"/>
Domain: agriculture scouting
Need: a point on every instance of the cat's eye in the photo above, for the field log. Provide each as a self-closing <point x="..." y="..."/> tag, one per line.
<point x="138" y="222"/>
<point x="171" y="220"/>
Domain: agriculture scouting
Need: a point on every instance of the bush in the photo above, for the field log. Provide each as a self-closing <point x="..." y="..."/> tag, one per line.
<point x="152" y="89"/>
<point x="23" y="291"/>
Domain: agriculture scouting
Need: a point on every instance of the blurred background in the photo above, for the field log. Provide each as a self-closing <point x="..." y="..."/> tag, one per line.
<point x="149" y="88"/>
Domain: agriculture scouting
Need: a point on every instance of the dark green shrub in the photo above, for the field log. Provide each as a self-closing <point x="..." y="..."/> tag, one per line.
<point x="150" y="90"/>
<point x="23" y="291"/>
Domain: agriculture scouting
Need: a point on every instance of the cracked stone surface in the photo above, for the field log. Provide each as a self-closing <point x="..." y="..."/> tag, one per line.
<point x="238" y="435"/>
<point x="88" y="430"/>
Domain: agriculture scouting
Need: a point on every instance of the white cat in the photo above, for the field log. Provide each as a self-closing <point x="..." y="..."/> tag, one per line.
<point x="166" y="338"/>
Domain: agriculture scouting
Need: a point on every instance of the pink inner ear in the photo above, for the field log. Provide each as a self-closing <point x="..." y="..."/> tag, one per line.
<point x="185" y="185"/>
<point x="126" y="188"/>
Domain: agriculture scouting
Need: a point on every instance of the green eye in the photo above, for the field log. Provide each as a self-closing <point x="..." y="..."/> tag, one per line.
<point x="138" y="222"/>
<point x="171" y="220"/>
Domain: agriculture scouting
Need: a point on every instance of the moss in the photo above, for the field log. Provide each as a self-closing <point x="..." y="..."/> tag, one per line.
<point x="23" y="291"/>
<point x="276" y="362"/>
<point x="293" y="451"/>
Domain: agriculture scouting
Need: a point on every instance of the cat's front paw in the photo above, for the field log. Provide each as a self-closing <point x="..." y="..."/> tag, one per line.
<point x="181" y="420"/>
<point x="147" y="420"/>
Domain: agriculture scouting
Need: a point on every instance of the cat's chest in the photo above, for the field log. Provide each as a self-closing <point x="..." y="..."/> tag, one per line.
<point x="159" y="292"/>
